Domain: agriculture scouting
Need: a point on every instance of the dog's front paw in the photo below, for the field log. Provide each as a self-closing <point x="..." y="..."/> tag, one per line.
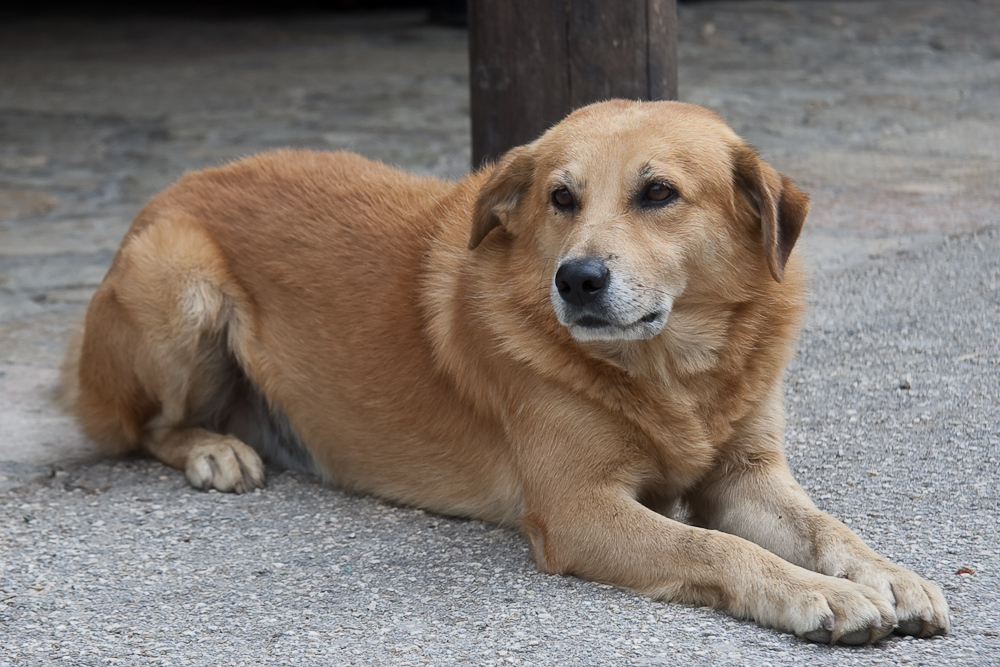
<point x="920" y="606"/>
<point x="831" y="610"/>
<point x="226" y="464"/>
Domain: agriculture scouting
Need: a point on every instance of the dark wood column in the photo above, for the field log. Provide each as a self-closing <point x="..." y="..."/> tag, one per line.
<point x="534" y="61"/>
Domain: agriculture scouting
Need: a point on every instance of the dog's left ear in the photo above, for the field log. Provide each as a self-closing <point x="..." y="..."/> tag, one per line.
<point x="502" y="193"/>
<point x="780" y="203"/>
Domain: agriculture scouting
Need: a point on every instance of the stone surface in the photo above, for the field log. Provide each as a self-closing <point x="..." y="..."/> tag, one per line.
<point x="886" y="112"/>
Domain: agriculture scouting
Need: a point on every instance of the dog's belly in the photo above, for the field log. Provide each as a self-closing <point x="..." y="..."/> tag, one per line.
<point x="386" y="426"/>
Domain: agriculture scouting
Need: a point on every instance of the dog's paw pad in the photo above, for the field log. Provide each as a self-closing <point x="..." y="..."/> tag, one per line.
<point x="225" y="464"/>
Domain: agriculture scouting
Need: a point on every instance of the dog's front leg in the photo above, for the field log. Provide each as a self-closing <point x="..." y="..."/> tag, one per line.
<point x="603" y="534"/>
<point x="751" y="493"/>
<point x="581" y="482"/>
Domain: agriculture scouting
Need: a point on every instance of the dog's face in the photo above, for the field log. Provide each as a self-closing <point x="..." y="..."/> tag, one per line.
<point x="629" y="205"/>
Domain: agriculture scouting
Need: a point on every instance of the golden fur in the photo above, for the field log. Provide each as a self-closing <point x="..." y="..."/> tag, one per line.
<point x="580" y="370"/>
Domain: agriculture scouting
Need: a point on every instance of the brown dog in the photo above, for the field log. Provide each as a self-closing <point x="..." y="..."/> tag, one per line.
<point x="608" y="348"/>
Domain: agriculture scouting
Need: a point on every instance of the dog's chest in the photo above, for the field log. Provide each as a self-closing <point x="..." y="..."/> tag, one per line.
<point x="682" y="424"/>
<point x="672" y="444"/>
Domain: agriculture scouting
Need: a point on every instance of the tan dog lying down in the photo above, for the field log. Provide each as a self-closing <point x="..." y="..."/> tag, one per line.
<point x="608" y="347"/>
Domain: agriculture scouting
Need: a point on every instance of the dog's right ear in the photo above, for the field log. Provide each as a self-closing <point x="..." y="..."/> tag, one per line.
<point x="502" y="193"/>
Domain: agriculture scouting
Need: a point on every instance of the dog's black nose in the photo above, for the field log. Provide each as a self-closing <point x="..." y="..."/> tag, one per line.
<point x="581" y="281"/>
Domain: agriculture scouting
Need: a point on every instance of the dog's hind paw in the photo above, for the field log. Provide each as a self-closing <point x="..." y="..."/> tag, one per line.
<point x="226" y="464"/>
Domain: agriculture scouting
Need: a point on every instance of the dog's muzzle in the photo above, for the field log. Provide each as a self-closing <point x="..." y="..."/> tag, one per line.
<point x="594" y="303"/>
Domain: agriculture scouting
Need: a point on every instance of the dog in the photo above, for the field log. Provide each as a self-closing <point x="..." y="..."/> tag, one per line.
<point x="583" y="340"/>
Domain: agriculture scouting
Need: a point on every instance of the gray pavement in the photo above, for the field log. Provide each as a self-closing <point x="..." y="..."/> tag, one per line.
<point x="887" y="112"/>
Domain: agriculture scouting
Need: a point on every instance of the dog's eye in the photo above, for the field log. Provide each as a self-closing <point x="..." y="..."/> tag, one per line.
<point x="562" y="198"/>
<point x="659" y="193"/>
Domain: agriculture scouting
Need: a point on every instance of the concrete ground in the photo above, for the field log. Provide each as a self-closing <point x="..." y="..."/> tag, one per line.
<point x="887" y="112"/>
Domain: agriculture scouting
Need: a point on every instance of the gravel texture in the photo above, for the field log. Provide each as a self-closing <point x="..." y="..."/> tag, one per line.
<point x="887" y="112"/>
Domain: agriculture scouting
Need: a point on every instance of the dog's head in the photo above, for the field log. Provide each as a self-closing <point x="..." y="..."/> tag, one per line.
<point x="633" y="205"/>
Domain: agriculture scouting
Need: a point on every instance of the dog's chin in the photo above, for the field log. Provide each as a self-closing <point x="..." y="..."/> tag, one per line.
<point x="589" y="328"/>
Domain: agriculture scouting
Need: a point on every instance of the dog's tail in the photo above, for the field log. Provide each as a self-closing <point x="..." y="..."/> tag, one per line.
<point x="69" y="374"/>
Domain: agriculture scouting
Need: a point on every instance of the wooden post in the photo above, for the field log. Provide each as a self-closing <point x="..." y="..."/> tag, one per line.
<point x="533" y="61"/>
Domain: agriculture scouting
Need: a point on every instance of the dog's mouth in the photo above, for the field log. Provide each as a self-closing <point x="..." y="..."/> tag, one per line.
<point x="591" y="322"/>
<point x="593" y="328"/>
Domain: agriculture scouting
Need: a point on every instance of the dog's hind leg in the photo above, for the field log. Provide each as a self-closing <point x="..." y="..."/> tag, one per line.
<point x="156" y="362"/>
<point x="190" y="431"/>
